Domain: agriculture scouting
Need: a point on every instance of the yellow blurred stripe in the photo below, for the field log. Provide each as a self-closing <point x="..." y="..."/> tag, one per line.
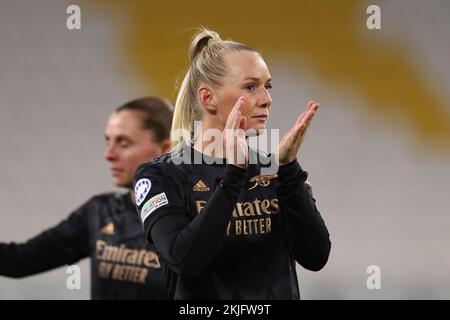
<point x="329" y="34"/>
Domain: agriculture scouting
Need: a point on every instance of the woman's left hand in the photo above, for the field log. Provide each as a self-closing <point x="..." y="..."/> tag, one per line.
<point x="292" y="140"/>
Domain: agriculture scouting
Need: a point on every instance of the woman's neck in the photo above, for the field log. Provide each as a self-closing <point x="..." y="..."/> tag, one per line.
<point x="210" y="141"/>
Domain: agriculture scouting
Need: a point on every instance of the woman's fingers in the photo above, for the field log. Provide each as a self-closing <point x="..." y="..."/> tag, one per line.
<point x="303" y="123"/>
<point x="308" y="115"/>
<point x="237" y="105"/>
<point x="236" y="120"/>
<point x="243" y="123"/>
<point x="291" y="142"/>
<point x="231" y="119"/>
<point x="234" y="135"/>
<point x="312" y="106"/>
<point x="234" y="116"/>
<point x="300" y="118"/>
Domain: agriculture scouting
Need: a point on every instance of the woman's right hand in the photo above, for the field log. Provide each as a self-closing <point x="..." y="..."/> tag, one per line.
<point x="236" y="148"/>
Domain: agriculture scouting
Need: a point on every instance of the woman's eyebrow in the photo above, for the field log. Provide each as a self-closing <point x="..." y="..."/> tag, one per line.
<point x="256" y="79"/>
<point x="123" y="137"/>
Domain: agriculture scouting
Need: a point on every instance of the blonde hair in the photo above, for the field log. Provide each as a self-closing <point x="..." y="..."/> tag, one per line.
<point x="207" y="66"/>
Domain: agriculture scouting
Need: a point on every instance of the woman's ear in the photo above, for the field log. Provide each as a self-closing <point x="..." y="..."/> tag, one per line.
<point x="206" y="98"/>
<point x="165" y="146"/>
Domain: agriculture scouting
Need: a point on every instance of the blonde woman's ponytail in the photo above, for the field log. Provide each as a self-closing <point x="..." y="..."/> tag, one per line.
<point x="207" y="66"/>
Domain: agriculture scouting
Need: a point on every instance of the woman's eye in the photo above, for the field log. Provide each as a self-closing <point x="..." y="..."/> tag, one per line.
<point x="124" y="145"/>
<point x="269" y="86"/>
<point x="250" y="87"/>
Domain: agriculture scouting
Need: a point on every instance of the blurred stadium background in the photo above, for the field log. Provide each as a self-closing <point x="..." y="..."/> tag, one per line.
<point x="377" y="152"/>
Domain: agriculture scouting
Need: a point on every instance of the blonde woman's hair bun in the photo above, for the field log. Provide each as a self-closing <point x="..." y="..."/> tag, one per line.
<point x="201" y="40"/>
<point x="207" y="66"/>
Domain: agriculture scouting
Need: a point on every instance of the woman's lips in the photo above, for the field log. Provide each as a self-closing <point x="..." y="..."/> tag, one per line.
<point x="116" y="172"/>
<point x="262" y="117"/>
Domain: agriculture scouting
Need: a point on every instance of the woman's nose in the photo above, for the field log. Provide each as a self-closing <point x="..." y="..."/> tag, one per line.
<point x="110" y="153"/>
<point x="265" y="99"/>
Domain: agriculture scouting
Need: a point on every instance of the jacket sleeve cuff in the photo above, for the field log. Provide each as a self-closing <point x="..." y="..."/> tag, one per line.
<point x="233" y="178"/>
<point x="289" y="169"/>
